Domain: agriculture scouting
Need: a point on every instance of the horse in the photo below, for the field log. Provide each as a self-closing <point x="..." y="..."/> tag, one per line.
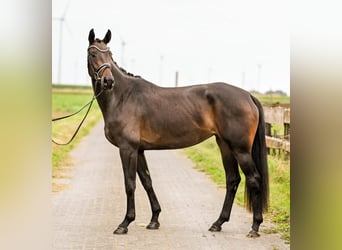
<point x="139" y="115"/>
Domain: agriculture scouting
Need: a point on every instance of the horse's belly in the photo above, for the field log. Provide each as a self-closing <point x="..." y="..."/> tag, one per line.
<point x="186" y="127"/>
<point x="179" y="138"/>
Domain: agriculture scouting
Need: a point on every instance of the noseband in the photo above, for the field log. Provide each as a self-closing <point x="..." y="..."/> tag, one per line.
<point x="99" y="71"/>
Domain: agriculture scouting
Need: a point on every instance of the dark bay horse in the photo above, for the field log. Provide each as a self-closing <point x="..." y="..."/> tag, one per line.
<point x="141" y="116"/>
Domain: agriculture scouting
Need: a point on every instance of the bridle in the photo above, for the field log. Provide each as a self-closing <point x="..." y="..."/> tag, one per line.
<point x="97" y="73"/>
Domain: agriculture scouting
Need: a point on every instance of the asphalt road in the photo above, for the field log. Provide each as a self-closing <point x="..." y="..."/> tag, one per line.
<point x="87" y="212"/>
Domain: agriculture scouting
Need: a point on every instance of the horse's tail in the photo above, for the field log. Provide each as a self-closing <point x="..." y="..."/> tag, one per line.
<point x="259" y="155"/>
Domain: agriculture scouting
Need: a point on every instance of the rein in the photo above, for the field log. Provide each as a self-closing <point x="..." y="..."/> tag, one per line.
<point x="79" y="126"/>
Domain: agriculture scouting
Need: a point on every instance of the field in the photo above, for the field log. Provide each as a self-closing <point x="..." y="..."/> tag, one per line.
<point x="268" y="99"/>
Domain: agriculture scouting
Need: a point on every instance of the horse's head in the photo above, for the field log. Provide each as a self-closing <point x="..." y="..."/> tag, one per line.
<point x="99" y="60"/>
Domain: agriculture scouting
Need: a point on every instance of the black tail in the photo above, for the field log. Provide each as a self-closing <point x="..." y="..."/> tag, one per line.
<point x="259" y="155"/>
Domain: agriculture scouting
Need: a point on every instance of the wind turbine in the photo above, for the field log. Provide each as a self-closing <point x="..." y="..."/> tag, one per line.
<point x="123" y="44"/>
<point x="61" y="19"/>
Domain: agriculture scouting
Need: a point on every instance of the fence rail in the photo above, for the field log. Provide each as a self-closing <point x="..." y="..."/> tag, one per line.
<point x="277" y="116"/>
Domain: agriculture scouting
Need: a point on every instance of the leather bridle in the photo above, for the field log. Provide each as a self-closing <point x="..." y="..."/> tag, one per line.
<point x="99" y="71"/>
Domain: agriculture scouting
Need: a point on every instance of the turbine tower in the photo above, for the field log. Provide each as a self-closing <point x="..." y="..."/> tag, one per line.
<point x="61" y="19"/>
<point x="123" y="44"/>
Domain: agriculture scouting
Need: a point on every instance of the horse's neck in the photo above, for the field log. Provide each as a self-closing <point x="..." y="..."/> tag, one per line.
<point x="121" y="80"/>
<point x="108" y="98"/>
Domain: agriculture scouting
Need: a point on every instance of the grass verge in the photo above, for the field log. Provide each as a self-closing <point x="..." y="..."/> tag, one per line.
<point x="207" y="159"/>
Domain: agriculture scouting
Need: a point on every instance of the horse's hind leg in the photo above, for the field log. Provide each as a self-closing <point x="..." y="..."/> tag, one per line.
<point x="232" y="182"/>
<point x="146" y="181"/>
<point x="253" y="186"/>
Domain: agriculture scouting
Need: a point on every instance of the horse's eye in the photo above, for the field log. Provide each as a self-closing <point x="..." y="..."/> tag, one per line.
<point x="92" y="54"/>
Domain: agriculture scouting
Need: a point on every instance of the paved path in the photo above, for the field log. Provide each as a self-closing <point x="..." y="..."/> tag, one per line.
<point x="85" y="214"/>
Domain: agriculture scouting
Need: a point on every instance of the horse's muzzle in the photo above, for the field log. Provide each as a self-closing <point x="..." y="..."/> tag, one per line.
<point x="108" y="82"/>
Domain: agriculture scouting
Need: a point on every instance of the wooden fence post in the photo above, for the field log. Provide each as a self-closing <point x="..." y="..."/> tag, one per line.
<point x="280" y="116"/>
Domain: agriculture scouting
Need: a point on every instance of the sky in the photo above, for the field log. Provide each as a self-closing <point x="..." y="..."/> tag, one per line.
<point x="245" y="43"/>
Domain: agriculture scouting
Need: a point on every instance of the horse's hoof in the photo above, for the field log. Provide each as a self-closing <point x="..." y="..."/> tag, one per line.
<point x="215" y="228"/>
<point x="253" y="234"/>
<point x="121" y="230"/>
<point x="153" y="225"/>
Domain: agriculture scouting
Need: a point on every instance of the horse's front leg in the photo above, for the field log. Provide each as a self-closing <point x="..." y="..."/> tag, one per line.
<point x="129" y="159"/>
<point x="146" y="181"/>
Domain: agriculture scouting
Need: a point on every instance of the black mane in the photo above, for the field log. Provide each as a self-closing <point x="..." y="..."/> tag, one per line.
<point x="125" y="71"/>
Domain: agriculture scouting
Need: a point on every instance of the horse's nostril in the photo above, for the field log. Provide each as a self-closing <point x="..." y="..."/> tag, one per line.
<point x="108" y="82"/>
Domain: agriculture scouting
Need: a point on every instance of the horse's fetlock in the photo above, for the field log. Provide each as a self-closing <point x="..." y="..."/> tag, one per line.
<point x="258" y="219"/>
<point x="156" y="211"/>
<point x="130" y="217"/>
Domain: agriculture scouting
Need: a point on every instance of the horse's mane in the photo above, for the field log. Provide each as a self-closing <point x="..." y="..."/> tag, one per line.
<point x="125" y="71"/>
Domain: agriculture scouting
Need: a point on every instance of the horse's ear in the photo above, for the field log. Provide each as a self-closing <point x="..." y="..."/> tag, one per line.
<point x="107" y="37"/>
<point x="91" y="36"/>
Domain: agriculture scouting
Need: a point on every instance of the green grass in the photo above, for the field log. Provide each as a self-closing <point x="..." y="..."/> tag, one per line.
<point x="74" y="87"/>
<point x="269" y="99"/>
<point x="207" y="159"/>
<point x="65" y="101"/>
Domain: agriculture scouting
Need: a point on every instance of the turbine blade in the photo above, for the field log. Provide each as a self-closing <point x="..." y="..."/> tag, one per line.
<point x="66" y="9"/>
